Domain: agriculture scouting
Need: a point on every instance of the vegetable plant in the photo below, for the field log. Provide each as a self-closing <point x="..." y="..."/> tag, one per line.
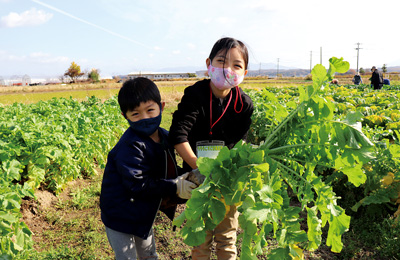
<point x="283" y="178"/>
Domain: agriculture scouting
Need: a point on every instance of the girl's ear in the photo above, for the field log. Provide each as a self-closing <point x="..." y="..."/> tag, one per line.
<point x="245" y="72"/>
<point x="208" y="62"/>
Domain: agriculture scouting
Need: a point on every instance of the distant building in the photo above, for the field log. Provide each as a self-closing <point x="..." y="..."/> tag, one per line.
<point x="17" y="80"/>
<point x="202" y="73"/>
<point x="158" y="75"/>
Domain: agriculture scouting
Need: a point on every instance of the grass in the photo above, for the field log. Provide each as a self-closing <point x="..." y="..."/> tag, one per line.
<point x="73" y="228"/>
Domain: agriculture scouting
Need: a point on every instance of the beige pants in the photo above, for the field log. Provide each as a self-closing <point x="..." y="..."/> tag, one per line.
<point x="224" y="236"/>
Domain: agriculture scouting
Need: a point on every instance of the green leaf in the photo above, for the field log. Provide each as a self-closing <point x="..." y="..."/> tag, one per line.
<point x="224" y="154"/>
<point x="314" y="228"/>
<point x="257" y="157"/>
<point x="337" y="227"/>
<point x="178" y="221"/>
<point x="12" y="169"/>
<point x="339" y="65"/>
<point x="395" y="150"/>
<point x="205" y="165"/>
<point x="194" y="235"/>
<point x="247" y="254"/>
<point x="355" y="174"/>
<point x="261" y="212"/>
<point x="319" y="76"/>
<point x="280" y="254"/>
<point x="217" y="209"/>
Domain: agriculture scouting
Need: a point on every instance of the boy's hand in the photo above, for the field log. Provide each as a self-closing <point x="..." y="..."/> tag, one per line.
<point x="183" y="187"/>
<point x="196" y="177"/>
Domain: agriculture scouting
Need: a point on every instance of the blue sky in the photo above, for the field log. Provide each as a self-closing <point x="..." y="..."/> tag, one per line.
<point x="41" y="37"/>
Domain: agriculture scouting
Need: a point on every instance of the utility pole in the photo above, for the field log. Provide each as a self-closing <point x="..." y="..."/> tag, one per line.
<point x="259" y="70"/>
<point x="277" y="70"/>
<point x="320" y="55"/>
<point x="310" y="61"/>
<point x="358" y="49"/>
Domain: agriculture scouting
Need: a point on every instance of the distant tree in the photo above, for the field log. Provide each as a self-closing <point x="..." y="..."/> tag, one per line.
<point x="61" y="78"/>
<point x="74" y="72"/>
<point x="351" y="71"/>
<point x="117" y="78"/>
<point x="362" y="71"/>
<point x="384" y="68"/>
<point x="94" y="75"/>
<point x="192" y="75"/>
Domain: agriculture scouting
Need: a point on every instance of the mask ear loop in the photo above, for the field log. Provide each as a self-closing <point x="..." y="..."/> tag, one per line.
<point x="236" y="99"/>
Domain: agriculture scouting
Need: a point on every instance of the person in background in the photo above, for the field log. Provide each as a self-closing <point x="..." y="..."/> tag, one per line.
<point x="335" y="82"/>
<point x="376" y="78"/>
<point x="357" y="80"/>
<point x="386" y="82"/>
<point x="214" y="111"/>
<point x="141" y="175"/>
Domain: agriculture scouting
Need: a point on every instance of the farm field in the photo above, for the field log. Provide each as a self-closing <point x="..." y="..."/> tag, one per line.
<point x="54" y="145"/>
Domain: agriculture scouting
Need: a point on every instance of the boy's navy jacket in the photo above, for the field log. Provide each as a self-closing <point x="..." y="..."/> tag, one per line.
<point x="135" y="182"/>
<point x="191" y="121"/>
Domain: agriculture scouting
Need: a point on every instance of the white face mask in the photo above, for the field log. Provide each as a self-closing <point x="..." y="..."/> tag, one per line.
<point x="224" y="78"/>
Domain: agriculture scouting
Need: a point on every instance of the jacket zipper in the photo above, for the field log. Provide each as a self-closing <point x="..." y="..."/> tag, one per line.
<point x="165" y="176"/>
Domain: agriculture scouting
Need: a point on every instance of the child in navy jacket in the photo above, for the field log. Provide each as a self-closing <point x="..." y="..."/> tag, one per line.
<point x="141" y="175"/>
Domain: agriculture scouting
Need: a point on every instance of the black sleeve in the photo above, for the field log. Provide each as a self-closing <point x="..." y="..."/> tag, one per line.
<point x="184" y="118"/>
<point x="137" y="177"/>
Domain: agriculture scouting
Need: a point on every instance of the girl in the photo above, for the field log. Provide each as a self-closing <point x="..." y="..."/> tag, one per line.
<point x="213" y="113"/>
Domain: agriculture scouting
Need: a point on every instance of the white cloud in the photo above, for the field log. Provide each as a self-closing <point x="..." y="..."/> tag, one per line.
<point x="41" y="57"/>
<point x="176" y="52"/>
<point x="38" y="55"/>
<point x="16" y="58"/>
<point x="191" y="46"/>
<point x="34" y="57"/>
<point x="31" y="17"/>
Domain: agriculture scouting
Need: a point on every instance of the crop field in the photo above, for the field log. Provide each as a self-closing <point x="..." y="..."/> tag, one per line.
<point x="318" y="177"/>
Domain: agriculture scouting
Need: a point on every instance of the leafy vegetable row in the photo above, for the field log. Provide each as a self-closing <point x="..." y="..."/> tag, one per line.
<point x="48" y="144"/>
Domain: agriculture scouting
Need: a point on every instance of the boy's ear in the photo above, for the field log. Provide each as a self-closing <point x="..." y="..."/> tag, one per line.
<point x="162" y="106"/>
<point x="122" y="113"/>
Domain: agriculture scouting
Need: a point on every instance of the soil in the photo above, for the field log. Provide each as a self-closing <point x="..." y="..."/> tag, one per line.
<point x="169" y="244"/>
<point x="35" y="212"/>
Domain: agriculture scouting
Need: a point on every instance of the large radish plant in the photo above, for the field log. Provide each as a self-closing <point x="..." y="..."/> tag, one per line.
<point x="281" y="179"/>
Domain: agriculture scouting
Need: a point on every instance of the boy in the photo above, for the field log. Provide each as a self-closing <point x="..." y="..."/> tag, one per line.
<point x="141" y="175"/>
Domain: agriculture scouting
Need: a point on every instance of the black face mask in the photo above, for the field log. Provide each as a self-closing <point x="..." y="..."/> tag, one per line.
<point x="146" y="126"/>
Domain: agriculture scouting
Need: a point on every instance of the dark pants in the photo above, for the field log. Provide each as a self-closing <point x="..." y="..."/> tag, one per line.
<point x="378" y="86"/>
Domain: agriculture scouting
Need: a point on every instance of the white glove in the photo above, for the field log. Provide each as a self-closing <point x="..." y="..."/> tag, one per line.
<point x="196" y="177"/>
<point x="183" y="187"/>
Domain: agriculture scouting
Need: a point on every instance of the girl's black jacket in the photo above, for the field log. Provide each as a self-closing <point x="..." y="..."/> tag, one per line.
<point x="137" y="181"/>
<point x="191" y="121"/>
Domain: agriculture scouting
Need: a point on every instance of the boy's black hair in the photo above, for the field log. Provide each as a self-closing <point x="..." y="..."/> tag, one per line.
<point x="228" y="43"/>
<point x="135" y="91"/>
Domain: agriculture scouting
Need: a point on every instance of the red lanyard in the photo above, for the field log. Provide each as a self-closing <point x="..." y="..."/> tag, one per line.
<point x="227" y="105"/>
